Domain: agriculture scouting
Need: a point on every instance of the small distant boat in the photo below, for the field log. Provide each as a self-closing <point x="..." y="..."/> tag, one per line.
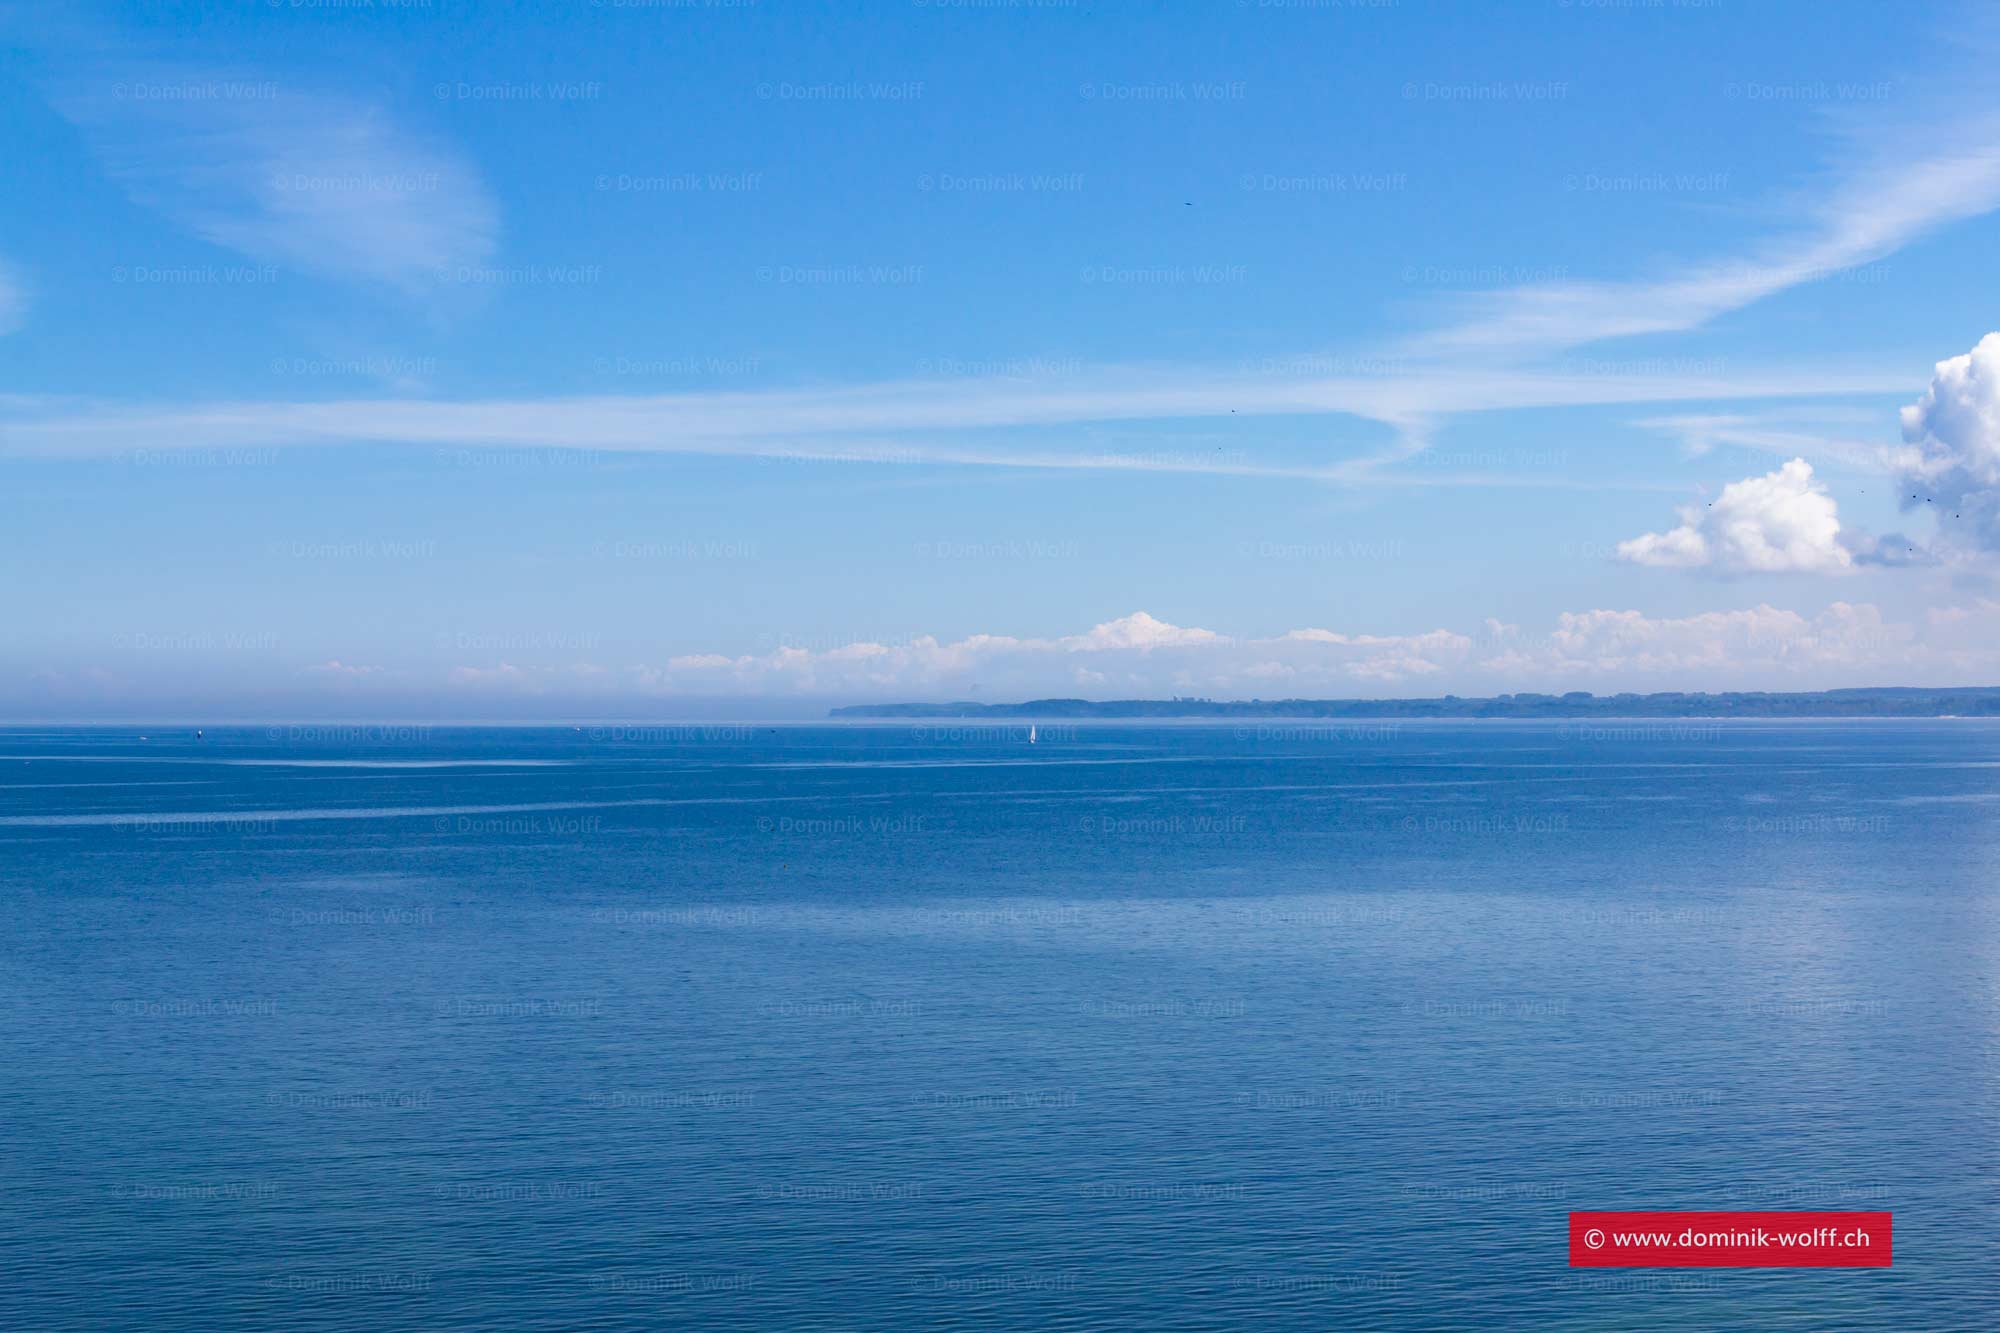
<point x="1031" y="734"/>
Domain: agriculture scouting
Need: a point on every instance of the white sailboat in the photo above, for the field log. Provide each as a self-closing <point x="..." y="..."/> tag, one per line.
<point x="1031" y="733"/>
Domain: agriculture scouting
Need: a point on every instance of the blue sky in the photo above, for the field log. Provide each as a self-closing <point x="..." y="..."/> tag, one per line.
<point x="629" y="358"/>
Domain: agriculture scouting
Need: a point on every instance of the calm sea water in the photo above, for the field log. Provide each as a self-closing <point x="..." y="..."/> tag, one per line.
<point x="1168" y="1027"/>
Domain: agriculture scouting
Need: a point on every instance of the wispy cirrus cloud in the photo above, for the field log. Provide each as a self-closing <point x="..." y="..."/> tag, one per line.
<point x="1894" y="179"/>
<point x="320" y="183"/>
<point x="1894" y="173"/>
<point x="13" y="299"/>
<point x="909" y="421"/>
<point x="420" y="209"/>
<point x="1451" y="372"/>
<point x="1809" y="431"/>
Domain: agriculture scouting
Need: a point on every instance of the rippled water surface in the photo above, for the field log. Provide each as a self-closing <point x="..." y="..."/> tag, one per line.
<point x="1168" y="1027"/>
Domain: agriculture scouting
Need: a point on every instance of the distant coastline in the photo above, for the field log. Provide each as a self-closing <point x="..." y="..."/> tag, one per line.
<point x="1975" y="701"/>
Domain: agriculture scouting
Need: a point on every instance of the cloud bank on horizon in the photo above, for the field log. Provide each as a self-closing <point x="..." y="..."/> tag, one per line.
<point x="1142" y="656"/>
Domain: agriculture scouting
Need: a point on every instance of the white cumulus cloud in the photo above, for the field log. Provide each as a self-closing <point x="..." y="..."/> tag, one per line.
<point x="1952" y="467"/>
<point x="1139" y="631"/>
<point x="1781" y="523"/>
<point x="337" y="668"/>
